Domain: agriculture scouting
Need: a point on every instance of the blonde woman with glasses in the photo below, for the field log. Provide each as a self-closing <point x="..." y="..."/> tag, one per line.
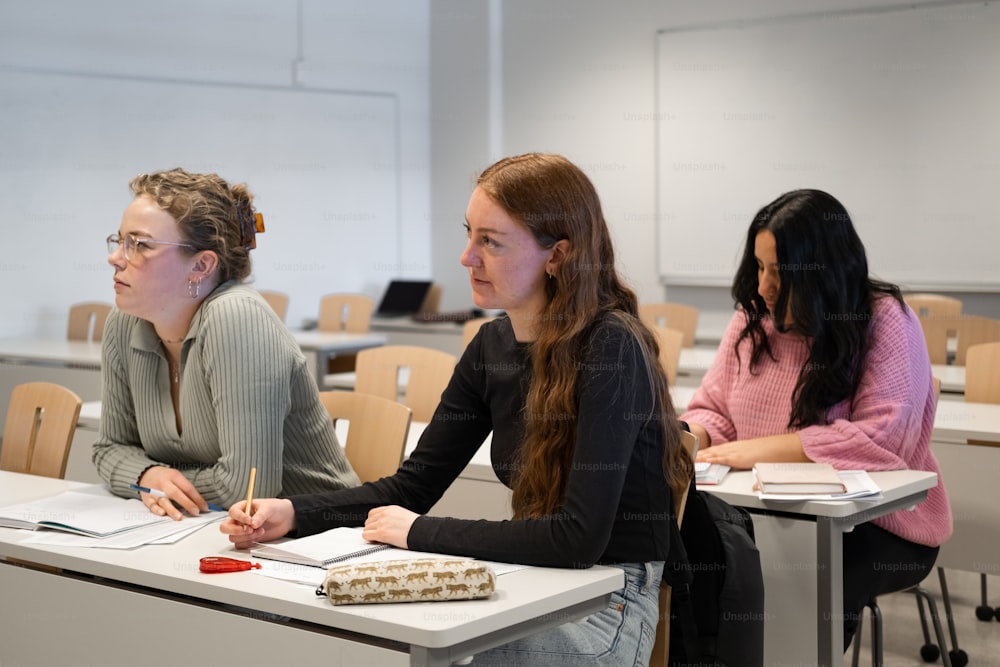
<point x="202" y="381"/>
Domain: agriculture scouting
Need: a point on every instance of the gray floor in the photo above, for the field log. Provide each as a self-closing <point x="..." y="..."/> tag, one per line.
<point x="901" y="623"/>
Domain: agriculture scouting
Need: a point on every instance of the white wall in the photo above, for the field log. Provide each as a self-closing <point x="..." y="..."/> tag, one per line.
<point x="579" y="79"/>
<point x="366" y="48"/>
<point x="576" y="76"/>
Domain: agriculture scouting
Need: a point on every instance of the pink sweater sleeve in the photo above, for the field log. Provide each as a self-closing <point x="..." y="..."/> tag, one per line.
<point x="709" y="407"/>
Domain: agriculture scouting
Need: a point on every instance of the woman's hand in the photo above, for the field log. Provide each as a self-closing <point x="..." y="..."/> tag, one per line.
<point x="178" y="488"/>
<point x="743" y="454"/>
<point x="389" y="525"/>
<point x="272" y="518"/>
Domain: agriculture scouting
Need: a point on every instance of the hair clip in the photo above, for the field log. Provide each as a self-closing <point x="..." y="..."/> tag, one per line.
<point x="249" y="228"/>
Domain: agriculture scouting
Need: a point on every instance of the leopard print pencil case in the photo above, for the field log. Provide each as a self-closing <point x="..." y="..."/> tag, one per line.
<point x="408" y="580"/>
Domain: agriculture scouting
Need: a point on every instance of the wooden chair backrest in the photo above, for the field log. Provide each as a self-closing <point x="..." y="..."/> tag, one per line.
<point x="350" y="313"/>
<point x="661" y="644"/>
<point x="975" y="330"/>
<point x="670" y="341"/>
<point x="376" y="437"/>
<point x="930" y="305"/>
<point x="86" y="321"/>
<point x="471" y="327"/>
<point x="41" y="421"/>
<point x="377" y="373"/>
<point x="673" y="315"/>
<point x="432" y="301"/>
<point x="982" y="373"/>
<point x="278" y="302"/>
<point x="938" y="330"/>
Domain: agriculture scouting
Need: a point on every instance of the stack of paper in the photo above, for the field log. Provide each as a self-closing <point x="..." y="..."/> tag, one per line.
<point x="92" y="517"/>
<point x="709" y="473"/>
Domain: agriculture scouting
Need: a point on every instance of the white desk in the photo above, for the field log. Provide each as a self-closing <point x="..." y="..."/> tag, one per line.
<point x="712" y="326"/>
<point x="110" y="606"/>
<point x="73" y="364"/>
<point x="959" y="421"/>
<point x="952" y="378"/>
<point x="696" y="360"/>
<point x="968" y="471"/>
<point x="801" y="547"/>
<point x="444" y="336"/>
<point x="321" y="346"/>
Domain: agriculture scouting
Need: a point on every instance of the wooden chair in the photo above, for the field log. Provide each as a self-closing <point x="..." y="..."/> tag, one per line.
<point x="975" y="330"/>
<point x="378" y="373"/>
<point x="432" y="302"/>
<point x="982" y="373"/>
<point x="41" y="421"/>
<point x="938" y="331"/>
<point x="86" y="321"/>
<point x="349" y="313"/>
<point x="278" y="302"/>
<point x="661" y="645"/>
<point x="933" y="305"/>
<point x="471" y="327"/>
<point x="674" y="315"/>
<point x="670" y="341"/>
<point x="376" y="437"/>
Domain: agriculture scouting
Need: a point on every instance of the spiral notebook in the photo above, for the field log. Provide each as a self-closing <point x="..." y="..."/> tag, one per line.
<point x="336" y="545"/>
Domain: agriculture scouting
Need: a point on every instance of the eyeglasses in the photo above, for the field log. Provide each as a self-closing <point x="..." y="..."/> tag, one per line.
<point x="134" y="246"/>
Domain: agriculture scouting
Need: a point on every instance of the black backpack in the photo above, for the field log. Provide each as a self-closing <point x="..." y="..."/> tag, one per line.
<point x="717" y="603"/>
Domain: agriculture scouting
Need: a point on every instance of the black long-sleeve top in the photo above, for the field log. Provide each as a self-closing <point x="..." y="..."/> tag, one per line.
<point x="617" y="501"/>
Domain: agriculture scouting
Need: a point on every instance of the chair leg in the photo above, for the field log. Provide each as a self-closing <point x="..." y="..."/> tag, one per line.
<point x="984" y="612"/>
<point x="877" y="648"/>
<point x="930" y="651"/>
<point x="957" y="657"/>
<point x="857" y="639"/>
<point x="922" y="593"/>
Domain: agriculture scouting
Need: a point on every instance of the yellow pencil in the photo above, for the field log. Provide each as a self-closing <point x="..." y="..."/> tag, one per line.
<point x="253" y="477"/>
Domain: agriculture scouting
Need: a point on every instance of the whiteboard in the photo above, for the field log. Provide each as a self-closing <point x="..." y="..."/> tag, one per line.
<point x="321" y="164"/>
<point x="895" y="112"/>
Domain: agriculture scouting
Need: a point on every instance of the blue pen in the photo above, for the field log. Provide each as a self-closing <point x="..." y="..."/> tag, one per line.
<point x="161" y="494"/>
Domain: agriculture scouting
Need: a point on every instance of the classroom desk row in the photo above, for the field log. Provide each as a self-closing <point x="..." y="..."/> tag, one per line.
<point x="105" y="606"/>
<point x="116" y="604"/>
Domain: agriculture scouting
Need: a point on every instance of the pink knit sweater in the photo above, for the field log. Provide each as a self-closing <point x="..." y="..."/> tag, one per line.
<point x="888" y="426"/>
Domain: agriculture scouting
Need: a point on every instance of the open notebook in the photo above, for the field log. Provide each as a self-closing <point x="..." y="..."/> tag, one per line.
<point x="85" y="512"/>
<point x="323" y="549"/>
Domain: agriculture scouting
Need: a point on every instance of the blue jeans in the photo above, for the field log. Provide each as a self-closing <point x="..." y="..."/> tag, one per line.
<point x="620" y="635"/>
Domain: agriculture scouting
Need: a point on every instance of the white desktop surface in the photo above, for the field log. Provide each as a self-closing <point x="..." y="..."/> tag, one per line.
<point x="959" y="421"/>
<point x="321" y="346"/>
<point x="712" y="326"/>
<point x="75" y="365"/>
<point x="42" y="351"/>
<point x="801" y="547"/>
<point x="696" y="360"/>
<point x="952" y="378"/>
<point x="146" y="574"/>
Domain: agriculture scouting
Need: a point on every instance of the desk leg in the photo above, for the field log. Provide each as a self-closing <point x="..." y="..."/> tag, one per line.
<point x="830" y="591"/>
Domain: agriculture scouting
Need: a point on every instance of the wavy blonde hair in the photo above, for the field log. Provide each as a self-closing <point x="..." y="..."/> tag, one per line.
<point x="210" y="213"/>
<point x="555" y="200"/>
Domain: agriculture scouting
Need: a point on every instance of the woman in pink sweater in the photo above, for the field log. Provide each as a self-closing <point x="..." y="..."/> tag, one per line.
<point x="821" y="362"/>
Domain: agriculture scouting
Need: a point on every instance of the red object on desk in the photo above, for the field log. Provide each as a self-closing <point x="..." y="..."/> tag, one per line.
<point x="219" y="564"/>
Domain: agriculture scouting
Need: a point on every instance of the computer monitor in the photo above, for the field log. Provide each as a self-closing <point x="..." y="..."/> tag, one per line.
<point x="403" y="297"/>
